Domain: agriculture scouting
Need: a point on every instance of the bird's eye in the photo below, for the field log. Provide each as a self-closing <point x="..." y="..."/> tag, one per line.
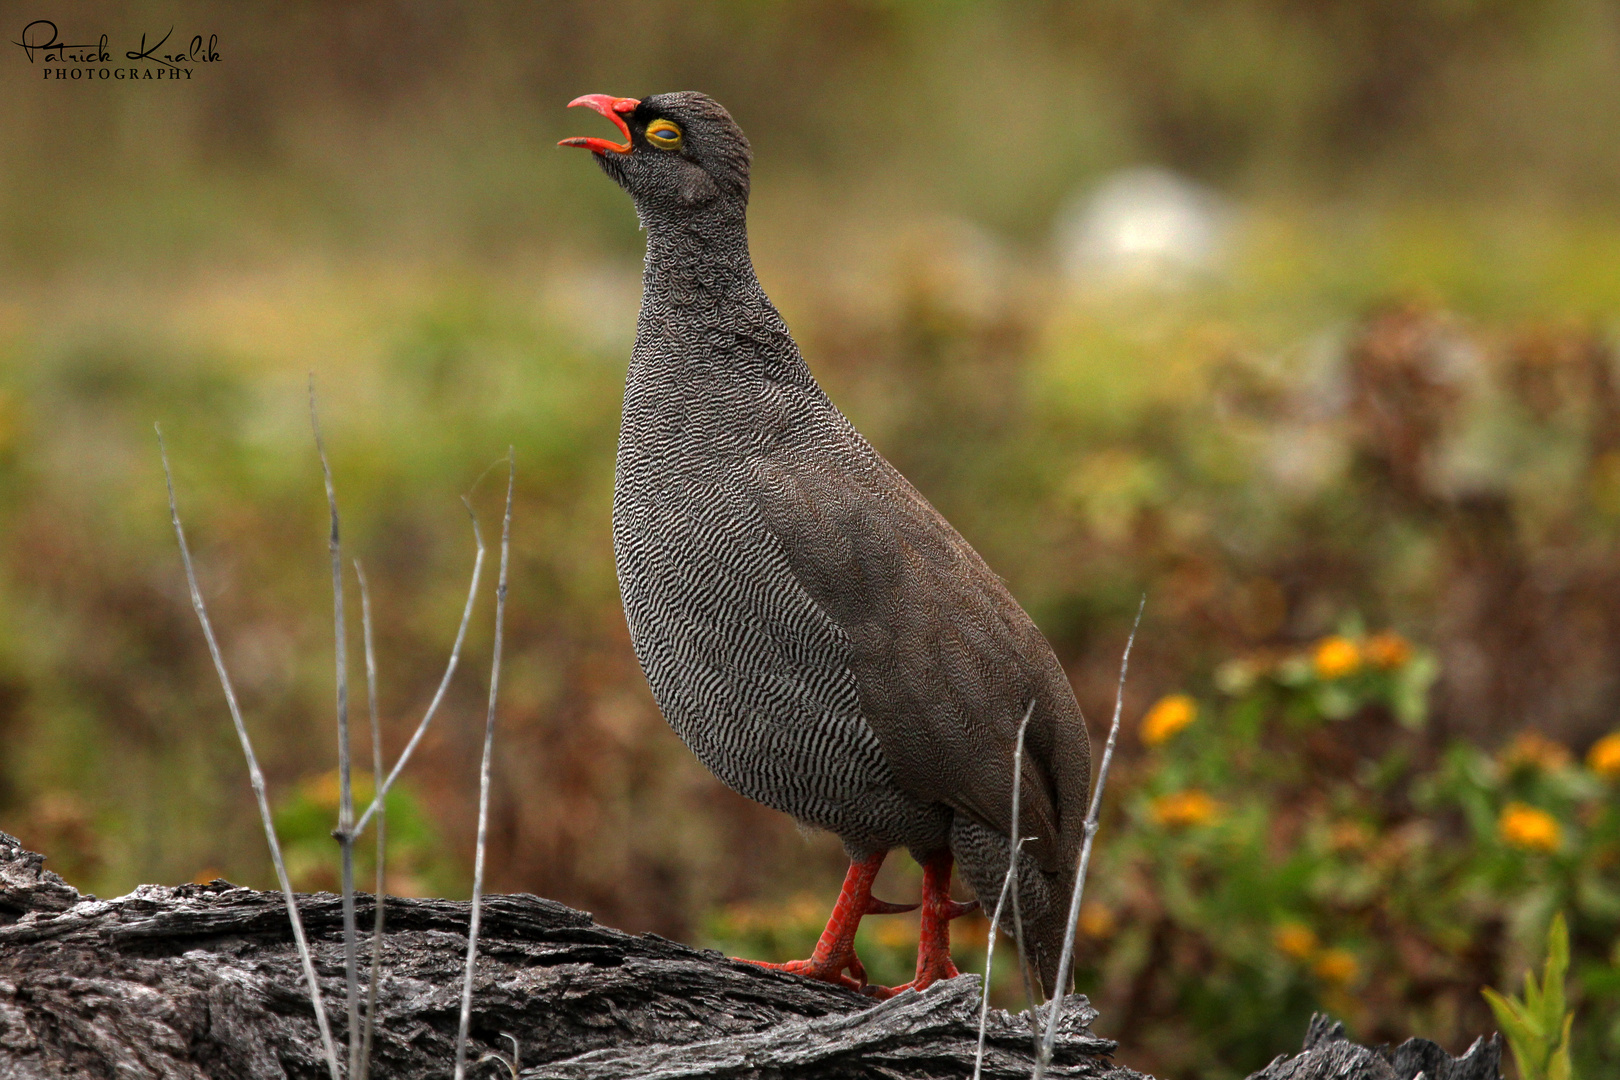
<point x="664" y="134"/>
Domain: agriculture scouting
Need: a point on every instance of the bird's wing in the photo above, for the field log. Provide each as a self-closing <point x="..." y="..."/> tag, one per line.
<point x="945" y="659"/>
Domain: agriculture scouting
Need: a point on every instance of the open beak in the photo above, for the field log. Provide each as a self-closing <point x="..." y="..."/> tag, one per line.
<point x="615" y="109"/>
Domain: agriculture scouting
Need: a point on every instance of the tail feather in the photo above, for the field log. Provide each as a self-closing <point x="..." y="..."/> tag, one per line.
<point x="982" y="858"/>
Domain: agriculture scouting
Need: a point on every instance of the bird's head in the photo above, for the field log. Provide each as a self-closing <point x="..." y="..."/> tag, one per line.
<point x="683" y="156"/>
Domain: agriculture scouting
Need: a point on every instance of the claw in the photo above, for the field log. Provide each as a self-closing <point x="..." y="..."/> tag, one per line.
<point x="874" y="906"/>
<point x="954" y="909"/>
<point x="856" y="969"/>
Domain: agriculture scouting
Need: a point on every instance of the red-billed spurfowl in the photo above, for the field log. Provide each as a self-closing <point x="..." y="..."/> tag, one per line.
<point x="824" y="641"/>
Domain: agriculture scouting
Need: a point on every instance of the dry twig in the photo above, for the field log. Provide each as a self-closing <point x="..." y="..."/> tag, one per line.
<point x="1044" y="1058"/>
<point x="345" y="827"/>
<point x="382" y="828"/>
<point x="255" y="776"/>
<point x="383" y="787"/>
<point x="483" y="777"/>
<point x="1007" y="885"/>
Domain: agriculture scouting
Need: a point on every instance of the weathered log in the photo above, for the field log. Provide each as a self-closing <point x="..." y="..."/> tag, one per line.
<point x="1330" y="1055"/>
<point x="203" y="981"/>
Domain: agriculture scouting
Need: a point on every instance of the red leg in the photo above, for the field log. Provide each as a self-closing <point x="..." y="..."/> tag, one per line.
<point x="835" y="952"/>
<point x="938" y="909"/>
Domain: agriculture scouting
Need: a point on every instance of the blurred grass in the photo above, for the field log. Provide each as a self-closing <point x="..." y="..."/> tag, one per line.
<point x="1385" y="397"/>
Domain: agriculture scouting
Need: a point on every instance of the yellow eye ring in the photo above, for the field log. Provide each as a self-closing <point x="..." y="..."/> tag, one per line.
<point x="664" y="134"/>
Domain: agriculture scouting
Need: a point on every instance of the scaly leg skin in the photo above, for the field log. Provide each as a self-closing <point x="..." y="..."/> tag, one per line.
<point x="938" y="909"/>
<point x="835" y="952"/>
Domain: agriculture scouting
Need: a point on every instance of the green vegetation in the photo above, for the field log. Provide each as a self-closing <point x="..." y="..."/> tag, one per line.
<point x="1298" y="847"/>
<point x="1537" y="1026"/>
<point x="417" y="864"/>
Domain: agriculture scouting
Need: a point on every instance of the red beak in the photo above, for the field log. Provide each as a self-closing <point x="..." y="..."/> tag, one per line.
<point x="615" y="110"/>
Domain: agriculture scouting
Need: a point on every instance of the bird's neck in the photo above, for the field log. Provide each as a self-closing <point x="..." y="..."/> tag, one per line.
<point x="704" y="315"/>
<point x="698" y="253"/>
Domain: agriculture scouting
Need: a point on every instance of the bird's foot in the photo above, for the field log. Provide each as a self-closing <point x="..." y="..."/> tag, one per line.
<point x="829" y="970"/>
<point x="934" y="944"/>
<point x="930" y="970"/>
<point x="835" y="952"/>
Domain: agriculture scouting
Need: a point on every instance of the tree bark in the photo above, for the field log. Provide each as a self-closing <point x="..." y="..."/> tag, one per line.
<point x="204" y="981"/>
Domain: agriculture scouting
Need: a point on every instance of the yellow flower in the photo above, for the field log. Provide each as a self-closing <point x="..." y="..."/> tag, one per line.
<point x="1604" y="757"/>
<point x="1524" y="826"/>
<point x="1336" y="966"/>
<point x="1335" y="657"/>
<point x="1184" y="808"/>
<point x="1532" y="751"/>
<point x="1294" y="939"/>
<point x="1097" y="920"/>
<point x="1387" y="650"/>
<point x="1168" y="716"/>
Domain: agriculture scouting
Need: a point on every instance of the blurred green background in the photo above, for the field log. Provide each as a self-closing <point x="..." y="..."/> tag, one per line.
<point x="1298" y="316"/>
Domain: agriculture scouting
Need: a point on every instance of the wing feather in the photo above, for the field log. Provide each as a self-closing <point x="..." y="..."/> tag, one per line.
<point x="946" y="661"/>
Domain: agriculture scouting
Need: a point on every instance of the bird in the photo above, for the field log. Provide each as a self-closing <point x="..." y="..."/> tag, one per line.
<point x="818" y="635"/>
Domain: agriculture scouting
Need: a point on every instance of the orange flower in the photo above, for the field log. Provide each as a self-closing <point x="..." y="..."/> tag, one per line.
<point x="1097" y="920"/>
<point x="1604" y="757"/>
<point x="1335" y="657"/>
<point x="1532" y="751"/>
<point x="1168" y="716"/>
<point x="1337" y="966"/>
<point x="1184" y="808"/>
<point x="1294" y="939"/>
<point x="1524" y="826"/>
<point x="1387" y="650"/>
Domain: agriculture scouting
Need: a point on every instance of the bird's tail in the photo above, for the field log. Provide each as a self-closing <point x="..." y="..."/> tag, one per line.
<point x="982" y="858"/>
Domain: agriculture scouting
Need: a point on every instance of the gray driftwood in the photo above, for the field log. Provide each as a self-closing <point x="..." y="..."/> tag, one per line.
<point x="202" y="981"/>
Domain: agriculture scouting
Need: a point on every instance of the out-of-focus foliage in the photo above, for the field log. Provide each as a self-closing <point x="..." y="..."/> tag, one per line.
<point x="416" y="863"/>
<point x="1272" y="310"/>
<point x="1301" y="846"/>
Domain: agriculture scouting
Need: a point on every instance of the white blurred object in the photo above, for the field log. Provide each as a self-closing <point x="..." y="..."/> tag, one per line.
<point x="1143" y="227"/>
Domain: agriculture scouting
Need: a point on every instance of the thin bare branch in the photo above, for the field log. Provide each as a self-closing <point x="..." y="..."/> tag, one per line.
<point x="345" y="826"/>
<point x="483" y="777"/>
<point x="1023" y="967"/>
<point x="1007" y="885"/>
<point x="444" y="683"/>
<point x="382" y="828"/>
<point x="255" y="776"/>
<point x="1044" y="1058"/>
